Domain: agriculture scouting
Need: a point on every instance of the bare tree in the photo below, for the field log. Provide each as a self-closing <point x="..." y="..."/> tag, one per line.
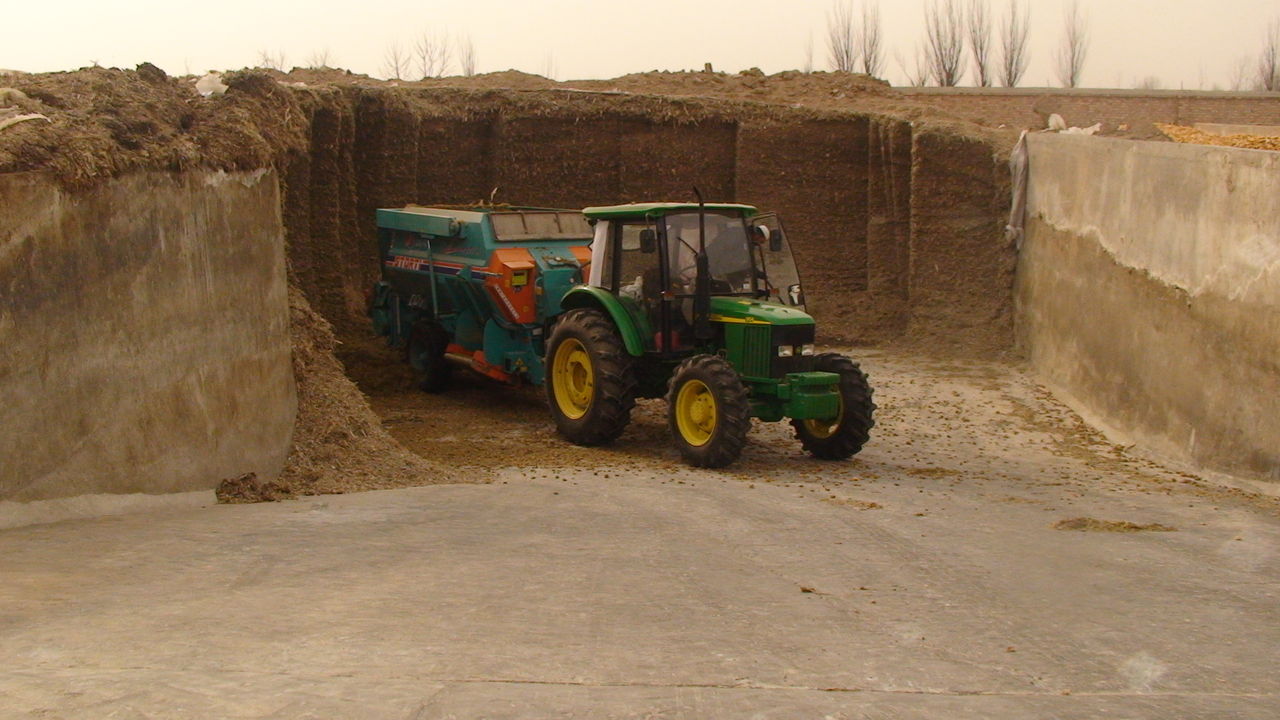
<point x="1150" y="82"/>
<point x="549" y="66"/>
<point x="1075" y="44"/>
<point x="319" y="59"/>
<point x="395" y="62"/>
<point x="808" y="54"/>
<point x="944" y="41"/>
<point x="1013" y="45"/>
<point x="842" y="36"/>
<point x="1239" y="76"/>
<point x="980" y="40"/>
<point x="872" y="39"/>
<point x="466" y="55"/>
<point x="433" y="52"/>
<point x="273" y="62"/>
<point x="917" y="75"/>
<point x="1269" y="59"/>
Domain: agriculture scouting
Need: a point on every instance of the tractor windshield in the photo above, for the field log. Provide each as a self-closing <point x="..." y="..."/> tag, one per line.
<point x="728" y="253"/>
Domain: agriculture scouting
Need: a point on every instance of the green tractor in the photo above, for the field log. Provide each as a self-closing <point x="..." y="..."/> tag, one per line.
<point x="699" y="303"/>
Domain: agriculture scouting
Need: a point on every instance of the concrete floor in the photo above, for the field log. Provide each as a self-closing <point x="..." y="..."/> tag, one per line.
<point x="923" y="579"/>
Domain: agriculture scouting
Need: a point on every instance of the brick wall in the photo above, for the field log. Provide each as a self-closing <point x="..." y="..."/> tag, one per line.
<point x="1028" y="107"/>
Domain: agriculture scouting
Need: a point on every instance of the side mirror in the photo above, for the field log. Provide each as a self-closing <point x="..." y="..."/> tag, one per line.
<point x="775" y="240"/>
<point x="648" y="240"/>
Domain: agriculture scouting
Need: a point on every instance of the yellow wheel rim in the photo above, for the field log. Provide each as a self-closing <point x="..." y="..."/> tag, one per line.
<point x="696" y="412"/>
<point x="573" y="379"/>
<point x="824" y="429"/>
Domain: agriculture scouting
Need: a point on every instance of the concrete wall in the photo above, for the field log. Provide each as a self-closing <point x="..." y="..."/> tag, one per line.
<point x="1148" y="290"/>
<point x="144" y="342"/>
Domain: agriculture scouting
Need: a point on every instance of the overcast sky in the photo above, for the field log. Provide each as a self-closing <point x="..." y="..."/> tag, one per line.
<point x="1185" y="43"/>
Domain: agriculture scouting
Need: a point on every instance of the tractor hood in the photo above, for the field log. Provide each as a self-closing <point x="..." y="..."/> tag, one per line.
<point x="754" y="312"/>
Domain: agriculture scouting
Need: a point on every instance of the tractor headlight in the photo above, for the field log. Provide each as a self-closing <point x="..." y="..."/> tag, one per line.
<point x="786" y="351"/>
<point x="806" y="349"/>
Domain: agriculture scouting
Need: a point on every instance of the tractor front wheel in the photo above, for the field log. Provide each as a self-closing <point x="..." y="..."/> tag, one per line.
<point x="427" y="343"/>
<point x="591" y="383"/>
<point x="709" y="411"/>
<point x="844" y="435"/>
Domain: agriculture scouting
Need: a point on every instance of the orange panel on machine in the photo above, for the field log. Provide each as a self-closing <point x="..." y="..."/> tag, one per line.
<point x="513" y="283"/>
<point x="583" y="255"/>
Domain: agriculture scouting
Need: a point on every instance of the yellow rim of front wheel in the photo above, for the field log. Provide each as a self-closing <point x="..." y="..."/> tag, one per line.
<point x="572" y="378"/>
<point x="824" y="429"/>
<point x="696" y="412"/>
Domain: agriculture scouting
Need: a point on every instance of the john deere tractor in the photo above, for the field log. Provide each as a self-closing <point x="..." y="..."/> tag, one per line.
<point x="698" y="303"/>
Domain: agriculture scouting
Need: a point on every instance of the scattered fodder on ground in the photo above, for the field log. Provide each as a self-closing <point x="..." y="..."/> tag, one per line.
<point x="1088" y="524"/>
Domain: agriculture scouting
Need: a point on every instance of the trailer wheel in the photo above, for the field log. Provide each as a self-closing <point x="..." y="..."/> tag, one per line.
<point x="426" y="347"/>
<point x="844" y="435"/>
<point x="591" y="382"/>
<point x="709" y="411"/>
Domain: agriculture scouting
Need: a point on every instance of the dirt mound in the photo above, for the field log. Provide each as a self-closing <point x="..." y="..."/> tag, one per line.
<point x="326" y="76"/>
<point x="102" y="122"/>
<point x="505" y="79"/>
<point x="105" y="122"/>
<point x="820" y="91"/>
<point x="817" y="89"/>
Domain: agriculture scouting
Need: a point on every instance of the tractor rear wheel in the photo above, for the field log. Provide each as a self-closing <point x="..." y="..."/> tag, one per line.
<point x="845" y="434"/>
<point x="591" y="382"/>
<point x="709" y="411"/>
<point x="427" y="343"/>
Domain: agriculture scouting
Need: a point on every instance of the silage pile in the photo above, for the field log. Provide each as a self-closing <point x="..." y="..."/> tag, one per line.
<point x="339" y="444"/>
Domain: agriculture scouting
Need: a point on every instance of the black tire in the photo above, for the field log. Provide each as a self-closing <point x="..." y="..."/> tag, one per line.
<point x="591" y="381"/>
<point x="708" y="411"/>
<point x="845" y="437"/>
<point x="425" y="349"/>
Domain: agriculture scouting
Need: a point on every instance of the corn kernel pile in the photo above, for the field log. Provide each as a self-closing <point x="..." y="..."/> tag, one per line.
<point x="1178" y="133"/>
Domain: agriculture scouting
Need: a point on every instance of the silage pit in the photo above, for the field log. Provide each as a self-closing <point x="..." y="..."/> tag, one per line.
<point x="873" y="197"/>
<point x="866" y="198"/>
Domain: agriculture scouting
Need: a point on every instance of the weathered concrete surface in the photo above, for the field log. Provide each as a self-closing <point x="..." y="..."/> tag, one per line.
<point x="924" y="579"/>
<point x="144" y="342"/>
<point x="1149" y="293"/>
<point x="34" y="512"/>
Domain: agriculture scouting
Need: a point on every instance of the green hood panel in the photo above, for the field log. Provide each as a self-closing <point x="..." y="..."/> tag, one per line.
<point x="744" y="310"/>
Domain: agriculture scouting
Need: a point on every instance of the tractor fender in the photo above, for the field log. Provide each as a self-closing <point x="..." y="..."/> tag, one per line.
<point x="587" y="296"/>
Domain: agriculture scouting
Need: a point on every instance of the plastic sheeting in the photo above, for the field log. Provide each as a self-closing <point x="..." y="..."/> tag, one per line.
<point x="1013" y="231"/>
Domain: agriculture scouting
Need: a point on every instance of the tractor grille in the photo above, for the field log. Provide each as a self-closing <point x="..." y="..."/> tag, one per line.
<point x="793" y="335"/>
<point x="757" y="350"/>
